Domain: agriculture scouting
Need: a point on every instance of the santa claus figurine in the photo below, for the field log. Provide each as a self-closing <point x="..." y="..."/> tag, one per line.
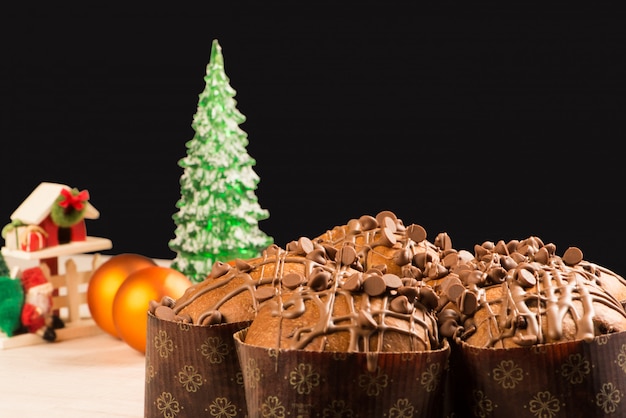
<point x="37" y="315"/>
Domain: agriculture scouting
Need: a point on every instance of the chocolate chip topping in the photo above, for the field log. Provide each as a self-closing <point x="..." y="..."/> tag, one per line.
<point x="572" y="256"/>
<point x="374" y="285"/>
<point x="416" y="232"/>
<point x="293" y="280"/>
<point x="537" y="289"/>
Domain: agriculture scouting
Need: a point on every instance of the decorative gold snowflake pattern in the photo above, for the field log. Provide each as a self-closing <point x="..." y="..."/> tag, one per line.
<point x="608" y="398"/>
<point x="214" y="349"/>
<point x="575" y="368"/>
<point x="507" y="374"/>
<point x="621" y="357"/>
<point x="189" y="378"/>
<point x="483" y="406"/>
<point x="430" y="377"/>
<point x="544" y="405"/>
<point x="373" y="384"/>
<point x="272" y="408"/>
<point x="303" y="379"/>
<point x="167" y="405"/>
<point x="402" y="409"/>
<point x="163" y="344"/>
<point x="222" y="408"/>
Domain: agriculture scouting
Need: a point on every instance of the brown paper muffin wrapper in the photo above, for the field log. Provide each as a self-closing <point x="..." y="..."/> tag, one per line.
<point x="302" y="383"/>
<point x="570" y="379"/>
<point x="192" y="370"/>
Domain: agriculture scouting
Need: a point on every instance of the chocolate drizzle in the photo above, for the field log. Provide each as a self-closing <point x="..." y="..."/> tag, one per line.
<point x="373" y="265"/>
<point x="394" y="281"/>
<point x="526" y="295"/>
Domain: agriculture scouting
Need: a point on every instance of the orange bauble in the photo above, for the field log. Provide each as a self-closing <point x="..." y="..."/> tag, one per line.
<point x="104" y="283"/>
<point x="132" y="300"/>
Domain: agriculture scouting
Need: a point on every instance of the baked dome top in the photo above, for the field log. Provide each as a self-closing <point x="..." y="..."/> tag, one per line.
<point x="522" y="293"/>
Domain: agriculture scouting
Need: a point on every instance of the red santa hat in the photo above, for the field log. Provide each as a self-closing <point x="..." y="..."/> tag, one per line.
<point x="32" y="277"/>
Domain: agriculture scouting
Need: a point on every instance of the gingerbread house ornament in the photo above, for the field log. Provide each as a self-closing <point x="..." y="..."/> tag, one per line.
<point x="53" y="214"/>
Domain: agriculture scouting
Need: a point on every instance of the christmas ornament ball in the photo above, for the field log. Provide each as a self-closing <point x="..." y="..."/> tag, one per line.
<point x="105" y="282"/>
<point x="132" y="300"/>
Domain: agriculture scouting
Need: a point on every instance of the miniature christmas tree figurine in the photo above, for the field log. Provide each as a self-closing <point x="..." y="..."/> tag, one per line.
<point x="218" y="212"/>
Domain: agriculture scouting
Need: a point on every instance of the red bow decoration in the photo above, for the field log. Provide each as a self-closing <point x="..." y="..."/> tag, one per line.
<point x="75" y="201"/>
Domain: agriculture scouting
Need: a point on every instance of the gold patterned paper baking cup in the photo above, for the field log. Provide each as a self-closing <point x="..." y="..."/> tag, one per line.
<point x="569" y="379"/>
<point x="192" y="371"/>
<point x="316" y="384"/>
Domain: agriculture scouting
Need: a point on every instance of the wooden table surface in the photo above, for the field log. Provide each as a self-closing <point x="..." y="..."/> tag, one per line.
<point x="97" y="376"/>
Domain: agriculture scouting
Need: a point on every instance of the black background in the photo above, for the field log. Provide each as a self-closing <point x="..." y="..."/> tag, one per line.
<point x="486" y="122"/>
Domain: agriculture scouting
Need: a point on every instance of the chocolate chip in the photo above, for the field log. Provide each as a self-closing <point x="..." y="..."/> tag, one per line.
<point x="292" y="280"/>
<point x="264" y="293"/>
<point x="401" y="305"/>
<point x="518" y="257"/>
<point x="272" y="250"/>
<point x="410" y="292"/>
<point x="353" y="282"/>
<point x="447" y="314"/>
<point x="474" y="277"/>
<point x="380" y="218"/>
<point x="436" y="271"/>
<point x="572" y="256"/>
<point x="452" y="287"/>
<point x="292" y="246"/>
<point x="443" y="241"/>
<point x="242" y="265"/>
<point x="480" y="251"/>
<point x="512" y="245"/>
<point x="508" y="263"/>
<point x="165" y="313"/>
<point x="450" y="260"/>
<point x="448" y="328"/>
<point x="501" y="248"/>
<point x="318" y="255"/>
<point x="428" y="297"/>
<point x="392" y="281"/>
<point x="387" y="238"/>
<point x="346" y="255"/>
<point x="213" y="317"/>
<point x="168" y="301"/>
<point x="542" y="256"/>
<point x="152" y="305"/>
<point x="468" y="303"/>
<point x="422" y="258"/>
<point x="219" y="268"/>
<point x="525" y="278"/>
<point x="319" y="280"/>
<point x="402" y="257"/>
<point x="412" y="272"/>
<point x="374" y="285"/>
<point x="496" y="275"/>
<point x="368" y="222"/>
<point x="416" y="232"/>
<point x="305" y="245"/>
<point x="331" y="252"/>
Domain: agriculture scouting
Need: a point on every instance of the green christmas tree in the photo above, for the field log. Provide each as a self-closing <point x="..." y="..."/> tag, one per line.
<point x="218" y="212"/>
